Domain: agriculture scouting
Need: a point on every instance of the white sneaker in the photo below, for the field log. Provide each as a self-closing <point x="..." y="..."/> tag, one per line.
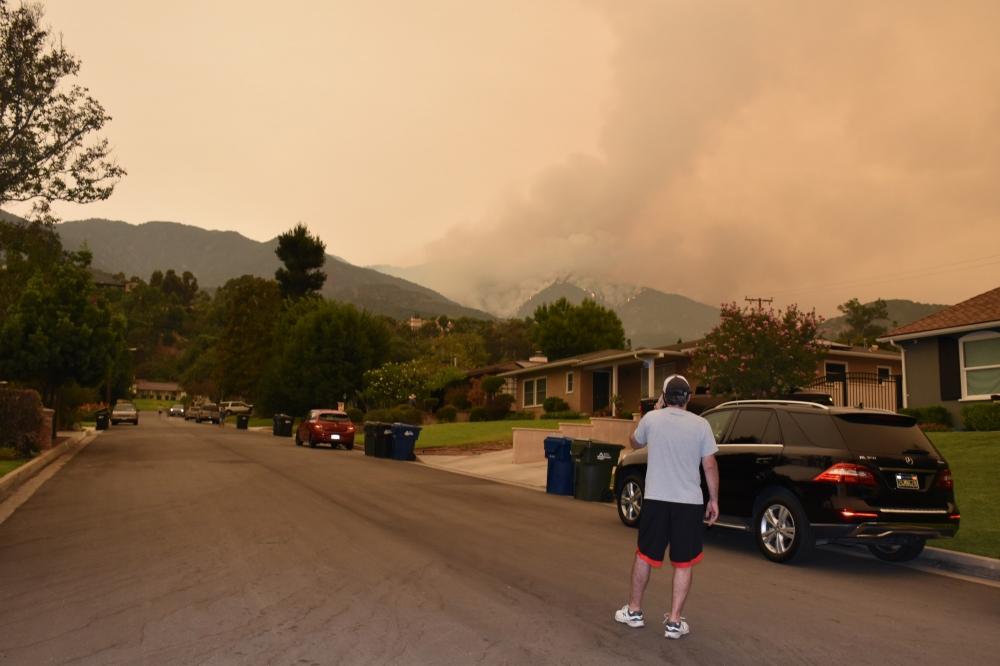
<point x="632" y="619"/>
<point x="675" y="629"/>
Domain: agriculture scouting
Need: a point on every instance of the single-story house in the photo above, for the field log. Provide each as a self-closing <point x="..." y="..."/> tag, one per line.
<point x="952" y="357"/>
<point x="157" y="390"/>
<point x="587" y="382"/>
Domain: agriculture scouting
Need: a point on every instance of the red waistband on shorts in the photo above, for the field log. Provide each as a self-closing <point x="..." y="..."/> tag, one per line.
<point x="689" y="563"/>
<point x="656" y="564"/>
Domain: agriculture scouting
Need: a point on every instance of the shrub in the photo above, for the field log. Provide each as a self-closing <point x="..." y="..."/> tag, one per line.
<point x="563" y="415"/>
<point x="624" y="414"/>
<point x="447" y="414"/>
<point x="430" y="404"/>
<point x="9" y="453"/>
<point x="401" y="414"/>
<point x="555" y="404"/>
<point x="355" y="414"/>
<point x="526" y="415"/>
<point x="929" y="414"/>
<point x="985" y="416"/>
<point x="21" y="416"/>
<point x="479" y="414"/>
<point x="457" y="396"/>
<point x="499" y="406"/>
<point x="933" y="427"/>
<point x="491" y="385"/>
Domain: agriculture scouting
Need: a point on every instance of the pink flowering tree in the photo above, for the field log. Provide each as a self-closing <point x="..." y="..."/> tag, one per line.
<point x="758" y="353"/>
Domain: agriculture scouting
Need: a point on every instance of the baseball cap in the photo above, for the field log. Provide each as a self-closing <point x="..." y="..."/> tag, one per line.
<point x="676" y="389"/>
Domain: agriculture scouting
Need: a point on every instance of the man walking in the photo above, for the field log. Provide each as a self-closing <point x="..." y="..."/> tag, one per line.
<point x="678" y="443"/>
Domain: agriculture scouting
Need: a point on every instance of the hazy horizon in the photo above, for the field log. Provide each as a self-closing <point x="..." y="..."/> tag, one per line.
<point x="811" y="153"/>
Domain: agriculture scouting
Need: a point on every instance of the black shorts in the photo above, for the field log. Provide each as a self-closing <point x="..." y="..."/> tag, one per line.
<point x="674" y="524"/>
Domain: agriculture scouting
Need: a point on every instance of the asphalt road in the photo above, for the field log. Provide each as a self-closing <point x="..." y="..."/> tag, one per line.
<point x="177" y="543"/>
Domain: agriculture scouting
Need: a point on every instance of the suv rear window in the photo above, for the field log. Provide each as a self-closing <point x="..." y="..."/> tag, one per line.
<point x="818" y="429"/>
<point x="333" y="417"/>
<point x="883" y="434"/>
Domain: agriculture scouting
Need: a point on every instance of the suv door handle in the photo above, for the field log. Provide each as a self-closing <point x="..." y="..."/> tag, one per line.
<point x="765" y="460"/>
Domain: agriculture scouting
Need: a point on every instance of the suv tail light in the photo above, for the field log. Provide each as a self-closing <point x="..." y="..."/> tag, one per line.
<point x="944" y="480"/>
<point x="848" y="474"/>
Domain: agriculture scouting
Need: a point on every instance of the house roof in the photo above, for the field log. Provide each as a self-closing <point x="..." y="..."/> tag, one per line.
<point x="143" y="385"/>
<point x="600" y="357"/>
<point x="983" y="309"/>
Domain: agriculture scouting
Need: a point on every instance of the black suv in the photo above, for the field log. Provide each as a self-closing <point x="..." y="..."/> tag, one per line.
<point x="794" y="473"/>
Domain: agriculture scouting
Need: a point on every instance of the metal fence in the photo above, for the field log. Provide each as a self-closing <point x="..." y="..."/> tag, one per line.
<point x="861" y="389"/>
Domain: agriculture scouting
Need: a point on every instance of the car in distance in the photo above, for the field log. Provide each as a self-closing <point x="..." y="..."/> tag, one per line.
<point x="235" y="407"/>
<point x="124" y="412"/>
<point x="797" y="473"/>
<point x="208" y="411"/>
<point x="326" y="426"/>
<point x="191" y="411"/>
<point x="176" y="410"/>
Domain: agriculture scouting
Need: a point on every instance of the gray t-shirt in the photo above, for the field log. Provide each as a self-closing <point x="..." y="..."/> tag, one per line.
<point x="676" y="440"/>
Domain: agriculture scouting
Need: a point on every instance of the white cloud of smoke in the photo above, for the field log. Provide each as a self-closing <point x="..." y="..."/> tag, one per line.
<point x="758" y="148"/>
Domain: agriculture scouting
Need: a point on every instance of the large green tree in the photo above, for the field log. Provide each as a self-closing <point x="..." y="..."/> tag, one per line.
<point x="49" y="150"/>
<point x="863" y="326"/>
<point x="323" y="352"/>
<point x="303" y="255"/>
<point x="60" y="330"/>
<point x="26" y="248"/>
<point x="249" y="308"/>
<point x="563" y="329"/>
<point x="758" y="353"/>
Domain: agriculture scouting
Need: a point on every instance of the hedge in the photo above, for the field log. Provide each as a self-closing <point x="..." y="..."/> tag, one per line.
<point x="985" y="416"/>
<point x="401" y="414"/>
<point x="20" y="420"/>
<point x="929" y="414"/>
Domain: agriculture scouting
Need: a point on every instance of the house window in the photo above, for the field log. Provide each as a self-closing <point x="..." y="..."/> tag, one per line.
<point x="569" y="382"/>
<point x="980" y="358"/>
<point x="836" y="372"/>
<point x="534" y="392"/>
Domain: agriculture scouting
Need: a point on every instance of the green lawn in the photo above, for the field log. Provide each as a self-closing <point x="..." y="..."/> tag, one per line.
<point x="974" y="458"/>
<point x="144" y="405"/>
<point x="10" y="465"/>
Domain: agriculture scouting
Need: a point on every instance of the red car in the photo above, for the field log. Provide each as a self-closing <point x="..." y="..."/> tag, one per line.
<point x="327" y="426"/>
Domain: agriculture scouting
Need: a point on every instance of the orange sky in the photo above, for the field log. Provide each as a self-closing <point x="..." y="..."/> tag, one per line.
<point x="808" y="151"/>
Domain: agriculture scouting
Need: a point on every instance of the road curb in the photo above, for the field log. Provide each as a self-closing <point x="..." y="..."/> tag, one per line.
<point x="963" y="563"/>
<point x="10" y="483"/>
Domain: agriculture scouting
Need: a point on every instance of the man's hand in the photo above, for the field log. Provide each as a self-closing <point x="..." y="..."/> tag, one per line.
<point x="712" y="512"/>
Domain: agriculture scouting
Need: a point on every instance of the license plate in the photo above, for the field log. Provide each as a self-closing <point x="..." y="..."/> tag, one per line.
<point x="907" y="482"/>
<point x="334" y="436"/>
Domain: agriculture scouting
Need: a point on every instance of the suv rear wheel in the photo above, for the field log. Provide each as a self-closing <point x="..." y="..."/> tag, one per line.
<point x="781" y="528"/>
<point x="630" y="499"/>
<point x="901" y="551"/>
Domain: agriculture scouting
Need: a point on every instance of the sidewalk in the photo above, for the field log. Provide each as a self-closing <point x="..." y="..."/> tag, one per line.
<point x="28" y="476"/>
<point x="499" y="466"/>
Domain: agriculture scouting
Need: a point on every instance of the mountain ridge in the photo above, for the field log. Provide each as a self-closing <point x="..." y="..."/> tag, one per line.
<point x="215" y="256"/>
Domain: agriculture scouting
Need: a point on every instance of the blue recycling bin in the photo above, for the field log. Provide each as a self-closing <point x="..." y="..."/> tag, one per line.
<point x="559" y="477"/>
<point x="404" y="439"/>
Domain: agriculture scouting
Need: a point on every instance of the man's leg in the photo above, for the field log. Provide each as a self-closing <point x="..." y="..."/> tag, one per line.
<point x="640" y="578"/>
<point x="682" y="585"/>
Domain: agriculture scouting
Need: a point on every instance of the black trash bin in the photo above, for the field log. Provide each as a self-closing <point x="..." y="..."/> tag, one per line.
<point x="559" y="475"/>
<point x="595" y="462"/>
<point x="404" y="440"/>
<point x="242" y="421"/>
<point x="282" y="425"/>
<point x="383" y="440"/>
<point x="103" y="420"/>
<point x="371" y="436"/>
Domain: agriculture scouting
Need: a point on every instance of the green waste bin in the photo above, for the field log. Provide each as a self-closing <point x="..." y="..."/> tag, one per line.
<point x="595" y="463"/>
<point x="383" y="440"/>
<point x="371" y="436"/>
<point x="282" y="425"/>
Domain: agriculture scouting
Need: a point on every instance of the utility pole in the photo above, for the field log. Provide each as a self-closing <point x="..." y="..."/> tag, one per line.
<point x="760" y="301"/>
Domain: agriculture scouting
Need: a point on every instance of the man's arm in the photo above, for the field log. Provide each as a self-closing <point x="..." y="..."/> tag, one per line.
<point x="712" y="479"/>
<point x="635" y="444"/>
